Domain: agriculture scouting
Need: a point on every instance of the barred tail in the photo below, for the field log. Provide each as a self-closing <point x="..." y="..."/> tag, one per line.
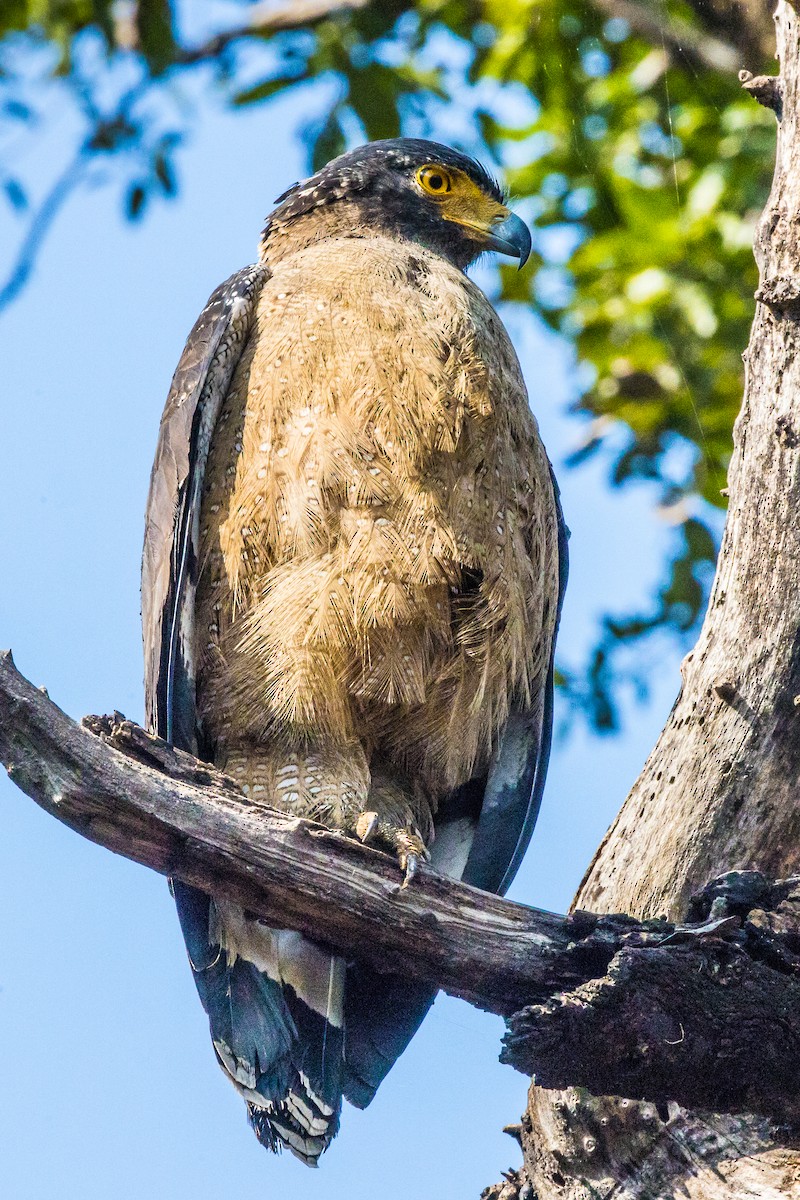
<point x="275" y="1007"/>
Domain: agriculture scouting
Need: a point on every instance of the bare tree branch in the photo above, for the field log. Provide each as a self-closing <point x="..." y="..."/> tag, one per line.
<point x="195" y="825"/>
<point x="614" y="1003"/>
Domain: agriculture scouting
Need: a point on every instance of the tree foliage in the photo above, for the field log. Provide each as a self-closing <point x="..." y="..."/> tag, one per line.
<point x="620" y="127"/>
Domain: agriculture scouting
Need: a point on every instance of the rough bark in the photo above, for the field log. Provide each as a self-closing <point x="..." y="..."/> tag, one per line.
<point x="708" y="1036"/>
<point x="661" y="999"/>
<point x="720" y="788"/>
<point x="701" y="1028"/>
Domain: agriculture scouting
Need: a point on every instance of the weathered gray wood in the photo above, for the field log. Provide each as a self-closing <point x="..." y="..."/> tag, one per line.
<point x="706" y="1018"/>
<point x="703" y="1027"/>
<point x="190" y="823"/>
<point x="721" y="786"/>
<point x="131" y="792"/>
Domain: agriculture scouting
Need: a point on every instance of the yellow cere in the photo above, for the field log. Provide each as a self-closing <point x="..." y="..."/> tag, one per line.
<point x="461" y="199"/>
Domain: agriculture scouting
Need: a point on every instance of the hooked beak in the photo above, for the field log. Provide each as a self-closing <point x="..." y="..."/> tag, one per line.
<point x="511" y="237"/>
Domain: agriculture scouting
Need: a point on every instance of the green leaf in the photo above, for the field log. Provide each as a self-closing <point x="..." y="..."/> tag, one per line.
<point x="162" y="169"/>
<point x="328" y="141"/>
<point x="155" y="34"/>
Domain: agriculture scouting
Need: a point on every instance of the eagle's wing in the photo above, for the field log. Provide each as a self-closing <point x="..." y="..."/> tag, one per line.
<point x="257" y="1030"/>
<point x="169" y="560"/>
<point x="518" y="768"/>
<point x="482" y="833"/>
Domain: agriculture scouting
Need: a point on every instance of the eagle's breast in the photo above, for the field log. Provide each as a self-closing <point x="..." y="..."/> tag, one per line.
<point x="378" y="540"/>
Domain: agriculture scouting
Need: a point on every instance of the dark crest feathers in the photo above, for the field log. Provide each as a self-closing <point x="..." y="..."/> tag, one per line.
<point x="373" y="168"/>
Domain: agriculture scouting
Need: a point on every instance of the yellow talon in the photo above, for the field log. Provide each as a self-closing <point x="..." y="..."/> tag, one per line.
<point x="366" y="825"/>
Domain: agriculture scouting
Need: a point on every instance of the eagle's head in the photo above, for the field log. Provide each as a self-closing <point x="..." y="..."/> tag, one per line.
<point x="409" y="188"/>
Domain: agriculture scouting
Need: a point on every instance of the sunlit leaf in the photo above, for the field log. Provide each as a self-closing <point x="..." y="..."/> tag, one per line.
<point x="265" y="89"/>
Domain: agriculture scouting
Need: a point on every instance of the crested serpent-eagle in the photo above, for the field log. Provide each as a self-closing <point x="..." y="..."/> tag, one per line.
<point x="353" y="568"/>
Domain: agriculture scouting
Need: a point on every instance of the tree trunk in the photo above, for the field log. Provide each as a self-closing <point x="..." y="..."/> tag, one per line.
<point x="719" y="790"/>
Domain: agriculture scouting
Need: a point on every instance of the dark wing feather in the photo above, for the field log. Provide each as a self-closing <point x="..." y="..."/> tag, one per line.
<point x="199" y="384"/>
<point x="277" y="1049"/>
<point x="381" y="1015"/>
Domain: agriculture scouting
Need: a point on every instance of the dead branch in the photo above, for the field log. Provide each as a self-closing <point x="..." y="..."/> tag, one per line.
<point x="602" y="996"/>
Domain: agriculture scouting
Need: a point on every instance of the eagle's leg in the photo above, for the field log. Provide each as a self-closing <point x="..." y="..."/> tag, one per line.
<point x="337" y="787"/>
<point x="405" y="843"/>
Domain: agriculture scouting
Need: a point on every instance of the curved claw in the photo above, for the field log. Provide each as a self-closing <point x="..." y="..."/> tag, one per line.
<point x="366" y="825"/>
<point x="411" y="851"/>
<point x="409" y="864"/>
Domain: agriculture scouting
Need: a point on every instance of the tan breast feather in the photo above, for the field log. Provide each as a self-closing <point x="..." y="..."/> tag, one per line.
<point x="378" y="526"/>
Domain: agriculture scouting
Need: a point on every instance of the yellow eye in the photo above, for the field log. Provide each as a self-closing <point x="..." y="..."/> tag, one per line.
<point x="436" y="181"/>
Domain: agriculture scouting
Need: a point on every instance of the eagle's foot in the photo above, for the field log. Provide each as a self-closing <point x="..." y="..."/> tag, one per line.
<point x="411" y="851"/>
<point x="406" y="843"/>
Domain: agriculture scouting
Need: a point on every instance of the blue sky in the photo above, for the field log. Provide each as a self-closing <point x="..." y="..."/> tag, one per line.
<point x="109" y="1084"/>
